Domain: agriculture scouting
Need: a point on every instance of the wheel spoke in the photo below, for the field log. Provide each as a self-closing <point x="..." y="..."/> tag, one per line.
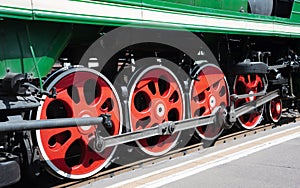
<point x="169" y="94"/>
<point x="81" y="96"/>
<point x="242" y="79"/>
<point x="106" y="97"/>
<point x="256" y="81"/>
<point x="64" y="96"/>
<point x="171" y="99"/>
<point x="173" y="105"/>
<point x="141" y="114"/>
<point x="144" y="83"/>
<point x="249" y="78"/>
<point x="157" y="87"/>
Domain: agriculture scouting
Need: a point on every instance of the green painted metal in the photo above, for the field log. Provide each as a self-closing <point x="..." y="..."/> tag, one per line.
<point x="218" y="9"/>
<point x="126" y="2"/>
<point x="46" y="39"/>
<point x="234" y="5"/>
<point x="21" y="11"/>
<point x="296" y="12"/>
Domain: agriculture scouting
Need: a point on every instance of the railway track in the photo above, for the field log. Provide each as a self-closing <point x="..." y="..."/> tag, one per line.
<point x="45" y="180"/>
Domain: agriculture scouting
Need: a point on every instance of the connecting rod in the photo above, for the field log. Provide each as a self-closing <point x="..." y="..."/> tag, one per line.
<point x="220" y="117"/>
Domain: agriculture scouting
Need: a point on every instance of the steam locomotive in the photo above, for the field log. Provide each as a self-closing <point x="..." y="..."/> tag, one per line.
<point x="79" y="77"/>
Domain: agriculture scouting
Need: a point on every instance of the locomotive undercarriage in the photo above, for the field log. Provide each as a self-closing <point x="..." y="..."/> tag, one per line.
<point x="145" y="104"/>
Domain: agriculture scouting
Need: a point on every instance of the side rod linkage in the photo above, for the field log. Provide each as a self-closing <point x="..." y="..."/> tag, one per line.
<point x="220" y="117"/>
<point x="166" y="128"/>
<point x="234" y="113"/>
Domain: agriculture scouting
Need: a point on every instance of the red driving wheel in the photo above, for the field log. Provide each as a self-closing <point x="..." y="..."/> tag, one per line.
<point x="274" y="110"/>
<point x="155" y="97"/>
<point x="249" y="84"/>
<point x="207" y="93"/>
<point x="81" y="92"/>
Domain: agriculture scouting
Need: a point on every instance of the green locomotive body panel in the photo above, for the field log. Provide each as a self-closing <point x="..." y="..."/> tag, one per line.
<point x="25" y="46"/>
<point x="16" y="9"/>
<point x="228" y="17"/>
<point x="233" y="5"/>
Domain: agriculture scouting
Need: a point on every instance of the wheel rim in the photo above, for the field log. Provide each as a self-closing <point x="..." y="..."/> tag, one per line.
<point x="249" y="84"/>
<point x="80" y="93"/>
<point x="156" y="96"/>
<point x="275" y="110"/>
<point x="209" y="92"/>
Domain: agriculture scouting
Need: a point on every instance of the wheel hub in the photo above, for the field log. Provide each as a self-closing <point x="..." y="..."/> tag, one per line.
<point x="212" y="102"/>
<point x="278" y="108"/>
<point x="84" y="129"/>
<point x="251" y="98"/>
<point x="160" y="109"/>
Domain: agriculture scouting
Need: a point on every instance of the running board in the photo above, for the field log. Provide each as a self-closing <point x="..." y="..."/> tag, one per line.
<point x="220" y="117"/>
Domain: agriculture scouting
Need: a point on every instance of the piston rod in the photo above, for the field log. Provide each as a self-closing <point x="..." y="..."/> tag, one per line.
<point x="21" y="125"/>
